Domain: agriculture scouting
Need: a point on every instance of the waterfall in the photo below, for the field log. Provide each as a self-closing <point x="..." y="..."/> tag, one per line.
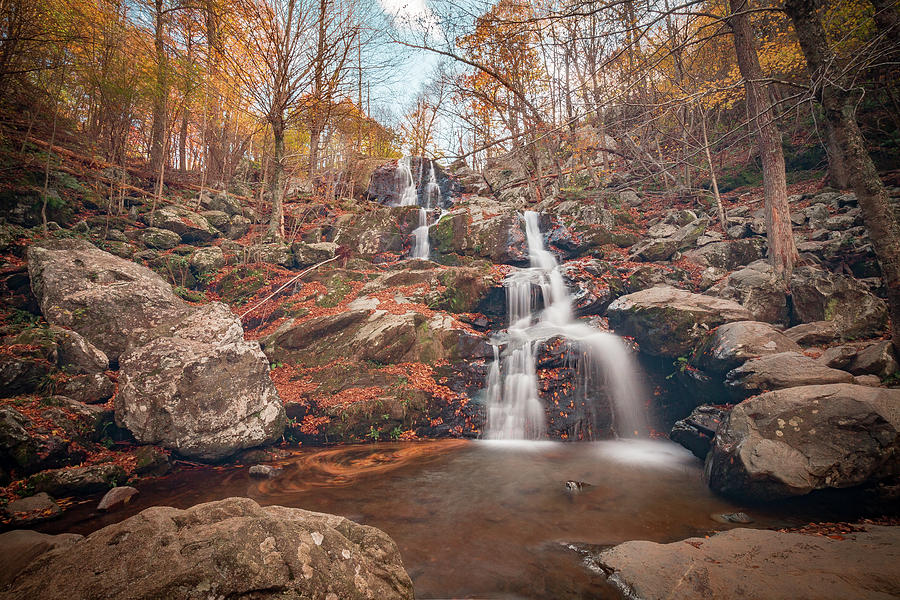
<point x="421" y="249"/>
<point x="514" y="409"/>
<point x="406" y="184"/>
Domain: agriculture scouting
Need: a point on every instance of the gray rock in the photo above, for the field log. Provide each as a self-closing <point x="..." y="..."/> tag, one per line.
<point x="662" y="248"/>
<point x="822" y="296"/>
<point x="758" y="289"/>
<point x="78" y="481"/>
<point x="839" y="357"/>
<point x="95" y="388"/>
<point x="728" y="254"/>
<point x="22" y="546"/>
<point x="793" y="441"/>
<point x="264" y="472"/>
<point x="217" y="218"/>
<point x="780" y="566"/>
<point x="666" y="321"/>
<point x="188" y="225"/>
<point x="201" y="389"/>
<point x="732" y="344"/>
<point x="32" y="509"/>
<point x="110" y="301"/>
<point x="232" y="548"/>
<point x="696" y="431"/>
<point x="21" y="374"/>
<point x="117" y="498"/>
<point x="307" y="255"/>
<point x="782" y="370"/>
<point x="813" y="334"/>
<point x="239" y="227"/>
<point x="77" y="355"/>
<point x="276" y="253"/>
<point x="221" y="202"/>
<point x="160" y="239"/>
<point x="876" y="359"/>
<point x="28" y="453"/>
<point x="207" y="260"/>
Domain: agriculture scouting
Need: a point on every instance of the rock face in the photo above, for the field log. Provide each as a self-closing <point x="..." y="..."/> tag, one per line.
<point x="385" y="183"/>
<point x="110" y="301"/>
<point x="480" y="233"/>
<point x="731" y="344"/>
<point x="232" y="548"/>
<point x="782" y="370"/>
<point x="200" y="389"/>
<point x="755" y="564"/>
<point x="793" y="441"/>
<point x="666" y="321"/>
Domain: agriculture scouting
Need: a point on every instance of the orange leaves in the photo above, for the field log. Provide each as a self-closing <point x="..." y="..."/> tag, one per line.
<point x="350" y="396"/>
<point x="291" y="387"/>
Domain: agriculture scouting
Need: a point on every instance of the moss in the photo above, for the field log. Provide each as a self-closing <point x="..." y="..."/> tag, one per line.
<point x="338" y="288"/>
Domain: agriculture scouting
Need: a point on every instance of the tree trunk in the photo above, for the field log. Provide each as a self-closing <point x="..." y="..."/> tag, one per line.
<point x="160" y="92"/>
<point x="782" y="251"/>
<point x="839" y="99"/>
<point x="182" y="142"/>
<point x="837" y="170"/>
<point x="276" y="189"/>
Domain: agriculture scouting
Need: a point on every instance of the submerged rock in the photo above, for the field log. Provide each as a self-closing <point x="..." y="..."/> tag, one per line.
<point x="793" y="441"/>
<point x="32" y="509"/>
<point x="780" y="566"/>
<point x="666" y="321"/>
<point x="200" y="389"/>
<point x="232" y="548"/>
<point x="117" y="498"/>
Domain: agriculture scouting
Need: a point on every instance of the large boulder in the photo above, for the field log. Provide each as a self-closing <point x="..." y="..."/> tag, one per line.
<point x="732" y="344"/>
<point x="756" y="564"/>
<point x="822" y="296"/>
<point x="374" y="232"/>
<point x="793" y="441"/>
<point x="728" y="254"/>
<point x="758" y="289"/>
<point x="110" y="301"/>
<point x="200" y="389"/>
<point x="499" y="238"/>
<point x="232" y="548"/>
<point x="666" y="321"/>
<point x="781" y="370"/>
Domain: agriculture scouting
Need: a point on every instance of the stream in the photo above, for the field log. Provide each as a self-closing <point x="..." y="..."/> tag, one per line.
<point x="487" y="519"/>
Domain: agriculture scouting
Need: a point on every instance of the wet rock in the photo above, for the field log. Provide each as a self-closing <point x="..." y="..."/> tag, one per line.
<point x="375" y="232"/>
<point x="666" y="321"/>
<point x="22" y="546"/>
<point x="782" y="370"/>
<point x="32" y="509"/>
<point x="189" y="226"/>
<point x="862" y="565"/>
<point x="386" y="184"/>
<point x="110" y="301"/>
<point x="230" y="548"/>
<point x="593" y="285"/>
<point x="822" y="296"/>
<point x="78" y="481"/>
<point x="793" y="441"/>
<point x="876" y="359"/>
<point x="696" y="431"/>
<point x="116" y="498"/>
<point x="153" y="461"/>
<point x="307" y="255"/>
<point x="738" y="517"/>
<point x="499" y="238"/>
<point x="201" y="390"/>
<point x="732" y="344"/>
<point x="206" y="260"/>
<point x="264" y="472"/>
<point x="758" y="289"/>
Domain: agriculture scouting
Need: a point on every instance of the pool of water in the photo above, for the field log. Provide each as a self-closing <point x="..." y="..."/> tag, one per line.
<point x="480" y="519"/>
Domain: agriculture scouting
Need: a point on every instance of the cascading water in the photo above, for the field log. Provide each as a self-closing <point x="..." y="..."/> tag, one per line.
<point x="432" y="193"/>
<point x="406" y="183"/>
<point x="514" y="409"/>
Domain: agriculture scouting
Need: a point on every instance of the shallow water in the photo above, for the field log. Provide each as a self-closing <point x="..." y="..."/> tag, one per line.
<point x="480" y="519"/>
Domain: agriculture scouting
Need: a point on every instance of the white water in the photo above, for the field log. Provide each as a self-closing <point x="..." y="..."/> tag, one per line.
<point x="514" y="410"/>
<point x="406" y="183"/>
<point x="422" y="248"/>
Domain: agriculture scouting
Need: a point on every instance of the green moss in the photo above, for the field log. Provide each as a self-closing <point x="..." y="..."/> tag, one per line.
<point x="338" y="288"/>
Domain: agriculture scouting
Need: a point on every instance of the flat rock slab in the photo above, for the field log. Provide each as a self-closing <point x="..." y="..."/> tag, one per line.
<point x="753" y="563"/>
